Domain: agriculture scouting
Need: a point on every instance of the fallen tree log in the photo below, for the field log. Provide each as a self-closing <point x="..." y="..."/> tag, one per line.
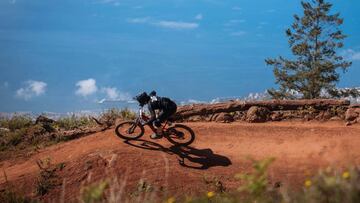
<point x="187" y="111"/>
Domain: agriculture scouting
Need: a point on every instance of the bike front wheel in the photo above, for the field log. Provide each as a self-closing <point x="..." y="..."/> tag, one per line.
<point x="180" y="135"/>
<point x="129" y="130"/>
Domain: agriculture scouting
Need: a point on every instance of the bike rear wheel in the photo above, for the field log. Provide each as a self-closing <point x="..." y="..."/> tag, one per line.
<point x="129" y="130"/>
<point x="180" y="135"/>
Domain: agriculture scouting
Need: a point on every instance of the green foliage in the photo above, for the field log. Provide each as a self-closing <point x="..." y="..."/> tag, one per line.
<point x="15" y="129"/>
<point x="127" y="114"/>
<point x="14" y="138"/>
<point x="16" y="122"/>
<point x="20" y="138"/>
<point x="329" y="186"/>
<point x="10" y="196"/>
<point x="94" y="193"/>
<point x="47" y="178"/>
<point x="255" y="183"/>
<point x="334" y="187"/>
<point x="110" y="115"/>
<point x="74" y="122"/>
<point x="211" y="197"/>
<point x="11" y="138"/>
<point x="313" y="39"/>
<point x="19" y="130"/>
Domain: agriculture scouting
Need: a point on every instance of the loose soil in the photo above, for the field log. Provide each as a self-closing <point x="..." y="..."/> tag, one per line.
<point x="219" y="152"/>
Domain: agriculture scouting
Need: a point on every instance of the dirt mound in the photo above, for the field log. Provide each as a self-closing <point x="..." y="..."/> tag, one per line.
<point x="272" y="110"/>
<point x="218" y="153"/>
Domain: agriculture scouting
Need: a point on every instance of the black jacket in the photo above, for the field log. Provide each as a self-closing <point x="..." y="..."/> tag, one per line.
<point x="163" y="104"/>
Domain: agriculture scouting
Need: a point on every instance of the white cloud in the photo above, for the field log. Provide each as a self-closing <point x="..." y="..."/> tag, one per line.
<point x="177" y="25"/>
<point x="236" y="8"/>
<point x="199" y="16"/>
<point x="238" y="33"/>
<point x="138" y="20"/>
<point x="193" y="101"/>
<point x="101" y="101"/>
<point x="32" y="88"/>
<point x="86" y="87"/>
<point x="12" y="1"/>
<point x="112" y="94"/>
<point x="350" y="54"/>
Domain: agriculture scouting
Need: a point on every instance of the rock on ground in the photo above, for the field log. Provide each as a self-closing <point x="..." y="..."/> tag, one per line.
<point x="352" y="115"/>
<point x="224" y="118"/>
<point x="257" y="114"/>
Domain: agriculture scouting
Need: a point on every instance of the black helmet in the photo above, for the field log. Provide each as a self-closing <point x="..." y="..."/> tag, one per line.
<point x="142" y="98"/>
<point x="152" y="93"/>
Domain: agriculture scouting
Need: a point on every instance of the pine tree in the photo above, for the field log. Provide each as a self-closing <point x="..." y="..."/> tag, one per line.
<point x="313" y="39"/>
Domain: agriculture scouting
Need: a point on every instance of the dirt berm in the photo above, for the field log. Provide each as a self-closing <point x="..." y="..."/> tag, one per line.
<point x="271" y="110"/>
<point x="219" y="152"/>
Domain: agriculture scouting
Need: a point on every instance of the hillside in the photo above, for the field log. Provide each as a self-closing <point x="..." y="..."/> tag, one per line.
<point x="219" y="152"/>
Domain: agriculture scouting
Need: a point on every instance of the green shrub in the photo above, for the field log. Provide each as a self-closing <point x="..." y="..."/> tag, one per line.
<point x="74" y="122"/>
<point x="113" y="113"/>
<point x="94" y="193"/>
<point x="127" y="114"/>
<point x="330" y="186"/>
<point x="16" y="122"/>
<point x="10" y="196"/>
<point x="256" y="183"/>
<point x="47" y="178"/>
<point x="108" y="117"/>
<point x="208" y="197"/>
<point x="12" y="138"/>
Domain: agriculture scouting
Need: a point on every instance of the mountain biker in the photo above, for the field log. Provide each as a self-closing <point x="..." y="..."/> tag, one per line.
<point x="164" y="105"/>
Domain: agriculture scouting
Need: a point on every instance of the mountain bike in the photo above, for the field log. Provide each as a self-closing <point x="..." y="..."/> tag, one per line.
<point x="177" y="134"/>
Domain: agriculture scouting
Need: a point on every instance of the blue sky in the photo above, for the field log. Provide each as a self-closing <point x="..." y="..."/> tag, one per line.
<point x="68" y="55"/>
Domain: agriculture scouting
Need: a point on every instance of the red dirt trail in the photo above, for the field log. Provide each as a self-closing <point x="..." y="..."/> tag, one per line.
<point x="220" y="151"/>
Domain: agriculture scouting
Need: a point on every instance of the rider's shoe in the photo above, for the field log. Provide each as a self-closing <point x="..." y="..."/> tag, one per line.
<point x="155" y="136"/>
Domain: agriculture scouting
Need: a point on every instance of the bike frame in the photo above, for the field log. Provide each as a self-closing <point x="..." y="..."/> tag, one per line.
<point x="142" y="119"/>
